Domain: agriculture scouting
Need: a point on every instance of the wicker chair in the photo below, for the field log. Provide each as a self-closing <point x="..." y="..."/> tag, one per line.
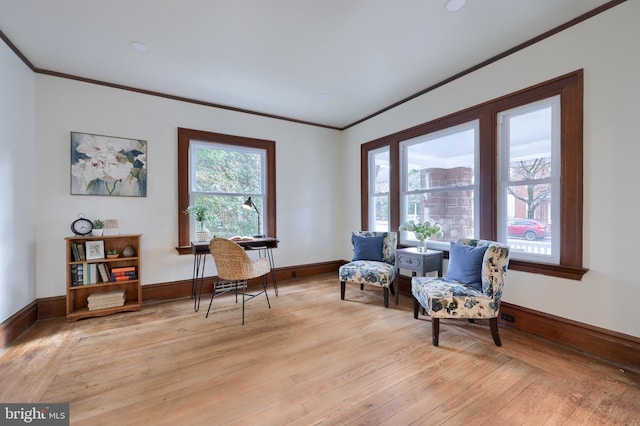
<point x="233" y="264"/>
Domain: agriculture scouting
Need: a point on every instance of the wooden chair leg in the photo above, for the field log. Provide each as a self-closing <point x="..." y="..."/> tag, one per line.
<point x="472" y="321"/>
<point x="493" y="324"/>
<point x="435" y="330"/>
<point x="396" y="284"/>
<point x="386" y="297"/>
<point x="342" y="287"/>
<point x="361" y="286"/>
<point x="416" y="307"/>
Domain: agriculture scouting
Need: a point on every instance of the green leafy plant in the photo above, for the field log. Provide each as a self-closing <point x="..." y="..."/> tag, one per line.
<point x="423" y="230"/>
<point x="112" y="251"/>
<point x="98" y="224"/>
<point x="200" y="213"/>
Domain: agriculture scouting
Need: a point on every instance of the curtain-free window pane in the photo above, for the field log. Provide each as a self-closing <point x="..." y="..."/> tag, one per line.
<point x="220" y="169"/>
<point x="381" y="211"/>
<point x="454" y="210"/>
<point x="530" y="145"/>
<point x="379" y="189"/>
<point x="428" y="161"/>
<point x="223" y="177"/>
<point x="439" y="181"/>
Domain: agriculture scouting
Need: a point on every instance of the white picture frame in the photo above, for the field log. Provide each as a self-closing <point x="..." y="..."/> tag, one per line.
<point x="94" y="249"/>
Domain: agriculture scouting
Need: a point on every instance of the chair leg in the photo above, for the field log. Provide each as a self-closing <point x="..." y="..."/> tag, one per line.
<point x="264" y="286"/>
<point x="342" y="288"/>
<point x="435" y="330"/>
<point x="215" y="284"/>
<point x="244" y="286"/>
<point x="416" y="307"/>
<point x="396" y="284"/>
<point x="493" y="324"/>
<point x="361" y="286"/>
<point x="386" y="297"/>
<point x="472" y="321"/>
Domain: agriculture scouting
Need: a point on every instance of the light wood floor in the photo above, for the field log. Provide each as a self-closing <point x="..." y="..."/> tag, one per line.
<point x="310" y="359"/>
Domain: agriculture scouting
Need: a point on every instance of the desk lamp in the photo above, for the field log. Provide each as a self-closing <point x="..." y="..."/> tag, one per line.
<point x="248" y="205"/>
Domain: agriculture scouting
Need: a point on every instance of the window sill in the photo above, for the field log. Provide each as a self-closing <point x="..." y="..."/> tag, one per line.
<point x="560" y="271"/>
<point x="184" y="250"/>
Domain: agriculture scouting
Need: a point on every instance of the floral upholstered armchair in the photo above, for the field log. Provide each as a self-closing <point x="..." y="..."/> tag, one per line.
<point x="472" y="288"/>
<point x="373" y="263"/>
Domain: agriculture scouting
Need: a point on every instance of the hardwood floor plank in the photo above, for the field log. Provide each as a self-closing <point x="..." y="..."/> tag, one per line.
<point x="310" y="359"/>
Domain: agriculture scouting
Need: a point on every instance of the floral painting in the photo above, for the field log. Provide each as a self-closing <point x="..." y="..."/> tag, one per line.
<point x="106" y="165"/>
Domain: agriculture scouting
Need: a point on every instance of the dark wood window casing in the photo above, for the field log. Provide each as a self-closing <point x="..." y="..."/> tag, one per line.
<point x="185" y="136"/>
<point x="570" y="89"/>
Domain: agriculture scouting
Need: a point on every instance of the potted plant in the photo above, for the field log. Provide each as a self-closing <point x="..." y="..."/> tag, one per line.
<point x="112" y="254"/>
<point x="98" y="227"/>
<point x="423" y="231"/>
<point x="200" y="213"/>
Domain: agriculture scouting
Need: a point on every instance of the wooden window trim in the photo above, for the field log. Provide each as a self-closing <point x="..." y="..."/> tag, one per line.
<point x="570" y="88"/>
<point x="184" y="138"/>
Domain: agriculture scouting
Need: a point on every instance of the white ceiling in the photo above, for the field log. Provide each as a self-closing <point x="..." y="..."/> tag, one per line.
<point x="328" y="62"/>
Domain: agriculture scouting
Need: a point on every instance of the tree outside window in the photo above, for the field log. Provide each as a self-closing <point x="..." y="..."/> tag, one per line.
<point x="222" y="171"/>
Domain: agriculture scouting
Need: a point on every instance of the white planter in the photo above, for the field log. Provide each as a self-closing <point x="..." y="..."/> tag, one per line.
<point x="97" y="232"/>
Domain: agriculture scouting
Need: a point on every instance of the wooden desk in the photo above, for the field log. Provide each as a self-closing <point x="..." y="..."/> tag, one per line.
<point x="200" y="250"/>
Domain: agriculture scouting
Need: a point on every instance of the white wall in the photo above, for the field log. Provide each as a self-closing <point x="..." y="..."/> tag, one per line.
<point x="606" y="48"/>
<point x="318" y="180"/>
<point x="18" y="221"/>
<point x="306" y="177"/>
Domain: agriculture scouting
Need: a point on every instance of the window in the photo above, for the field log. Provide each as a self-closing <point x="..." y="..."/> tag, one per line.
<point x="507" y="170"/>
<point x="529" y="144"/>
<point x="222" y="171"/>
<point x="439" y="180"/>
<point x="379" y="189"/>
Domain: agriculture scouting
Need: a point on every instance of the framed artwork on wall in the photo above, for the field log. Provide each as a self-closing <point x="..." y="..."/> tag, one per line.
<point x="107" y="165"/>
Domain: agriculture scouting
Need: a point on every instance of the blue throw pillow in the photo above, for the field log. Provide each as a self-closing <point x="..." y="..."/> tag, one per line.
<point x="465" y="264"/>
<point x="367" y="248"/>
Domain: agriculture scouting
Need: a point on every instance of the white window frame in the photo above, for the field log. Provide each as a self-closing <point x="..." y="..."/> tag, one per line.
<point x="554" y="180"/>
<point x="405" y="237"/>
<point x="195" y="192"/>
<point x="372" y="185"/>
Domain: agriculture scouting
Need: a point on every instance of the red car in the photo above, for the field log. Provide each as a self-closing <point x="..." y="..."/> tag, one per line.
<point x="530" y="229"/>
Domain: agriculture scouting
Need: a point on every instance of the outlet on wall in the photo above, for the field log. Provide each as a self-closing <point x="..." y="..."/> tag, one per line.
<point x="507" y="317"/>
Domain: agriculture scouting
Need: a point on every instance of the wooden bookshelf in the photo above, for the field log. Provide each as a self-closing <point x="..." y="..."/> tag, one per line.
<point x="79" y="288"/>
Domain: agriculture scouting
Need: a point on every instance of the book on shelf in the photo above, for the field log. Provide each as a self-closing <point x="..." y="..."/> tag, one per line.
<point x="77" y="274"/>
<point x="123" y="269"/>
<point x="123" y="274"/>
<point x="107" y="295"/>
<point x="90" y="273"/>
<point x="106" y="299"/>
<point x="81" y="253"/>
<point x="93" y="307"/>
<point x="75" y="253"/>
<point x="104" y="273"/>
<point x="118" y="278"/>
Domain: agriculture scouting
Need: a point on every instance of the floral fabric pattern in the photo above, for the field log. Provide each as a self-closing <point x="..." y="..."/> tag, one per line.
<point x="444" y="297"/>
<point x="373" y="272"/>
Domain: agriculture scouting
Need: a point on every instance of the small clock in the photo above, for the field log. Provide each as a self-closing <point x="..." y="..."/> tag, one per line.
<point x="81" y="226"/>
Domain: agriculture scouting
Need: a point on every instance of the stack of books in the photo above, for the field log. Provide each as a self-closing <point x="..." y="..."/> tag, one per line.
<point x="125" y="273"/>
<point x="106" y="299"/>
